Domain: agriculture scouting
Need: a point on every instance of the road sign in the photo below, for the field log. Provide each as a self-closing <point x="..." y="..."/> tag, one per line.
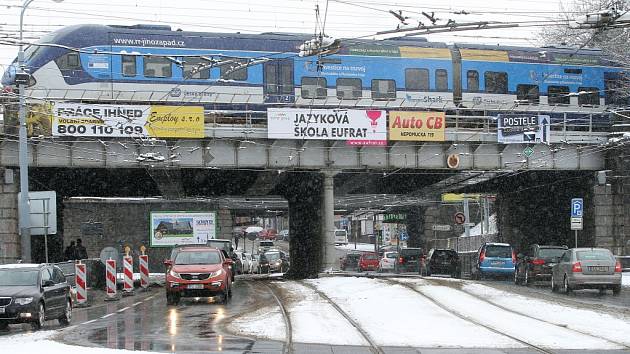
<point x="576" y="224"/>
<point x="460" y="218"/>
<point x="441" y="227"/>
<point x="528" y="151"/>
<point x="523" y="128"/>
<point x="577" y="208"/>
<point x="404" y="236"/>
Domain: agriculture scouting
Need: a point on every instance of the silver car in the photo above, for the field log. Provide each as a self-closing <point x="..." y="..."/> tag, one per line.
<point x="586" y="268"/>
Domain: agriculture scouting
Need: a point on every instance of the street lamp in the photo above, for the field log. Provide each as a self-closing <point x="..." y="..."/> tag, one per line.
<point x="21" y="79"/>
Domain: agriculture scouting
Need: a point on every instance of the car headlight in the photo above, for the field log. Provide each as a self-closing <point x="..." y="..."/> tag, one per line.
<point x="23" y="300"/>
<point x="216" y="274"/>
<point x="174" y="274"/>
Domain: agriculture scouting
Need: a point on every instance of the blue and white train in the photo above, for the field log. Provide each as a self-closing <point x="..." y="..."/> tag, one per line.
<point x="154" y="64"/>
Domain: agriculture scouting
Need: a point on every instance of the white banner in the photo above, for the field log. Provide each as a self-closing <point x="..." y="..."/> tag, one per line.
<point x="362" y="127"/>
<point x="523" y="128"/>
<point x="172" y="228"/>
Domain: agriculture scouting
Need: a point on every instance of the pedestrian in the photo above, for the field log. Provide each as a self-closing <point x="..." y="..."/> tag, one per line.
<point x="71" y="252"/>
<point x="81" y="252"/>
<point x="237" y="236"/>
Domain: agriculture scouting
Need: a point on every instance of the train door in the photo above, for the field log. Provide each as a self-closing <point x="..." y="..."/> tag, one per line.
<point x="278" y="84"/>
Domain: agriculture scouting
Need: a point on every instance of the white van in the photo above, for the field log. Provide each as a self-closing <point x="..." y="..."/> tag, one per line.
<point x="341" y="237"/>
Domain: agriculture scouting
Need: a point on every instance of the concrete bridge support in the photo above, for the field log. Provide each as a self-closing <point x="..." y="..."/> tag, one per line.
<point x="9" y="237"/>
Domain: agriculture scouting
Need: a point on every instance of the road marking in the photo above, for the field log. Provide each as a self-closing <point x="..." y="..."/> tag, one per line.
<point x="123" y="309"/>
<point x="108" y="315"/>
<point x="137" y="303"/>
<point x="90" y="321"/>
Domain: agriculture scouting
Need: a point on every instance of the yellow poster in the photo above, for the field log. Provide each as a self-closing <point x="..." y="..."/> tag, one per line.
<point x="416" y="126"/>
<point x="175" y="122"/>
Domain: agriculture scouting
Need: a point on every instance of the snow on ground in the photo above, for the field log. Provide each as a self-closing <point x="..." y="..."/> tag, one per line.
<point x="396" y="316"/>
<point x="363" y="247"/>
<point x="625" y="279"/>
<point x="314" y="320"/>
<point x="586" y="321"/>
<point x="533" y="331"/>
<point x="40" y="342"/>
<point x="266" y="322"/>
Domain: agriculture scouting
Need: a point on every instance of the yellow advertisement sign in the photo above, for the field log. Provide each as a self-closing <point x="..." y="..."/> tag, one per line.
<point x="416" y="126"/>
<point x="175" y="122"/>
<point x="459" y="197"/>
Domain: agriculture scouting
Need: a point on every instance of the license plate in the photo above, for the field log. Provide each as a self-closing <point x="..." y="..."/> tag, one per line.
<point x="1" y="309"/>
<point x="599" y="269"/>
<point x="497" y="263"/>
<point x="194" y="286"/>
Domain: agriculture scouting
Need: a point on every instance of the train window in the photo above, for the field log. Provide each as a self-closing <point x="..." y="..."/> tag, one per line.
<point x="473" y="80"/>
<point x="558" y="95"/>
<point x="383" y="89"/>
<point x="572" y="71"/>
<point x="286" y="79"/>
<point x="195" y="68"/>
<point x="157" y="67"/>
<point x="68" y="61"/>
<point x="529" y="93"/>
<point x="348" y="89"/>
<point x="271" y="73"/>
<point x="417" y="79"/>
<point x="314" y="87"/>
<point x="129" y="65"/>
<point x="496" y="82"/>
<point x="441" y="80"/>
<point x="588" y="96"/>
<point x="229" y="69"/>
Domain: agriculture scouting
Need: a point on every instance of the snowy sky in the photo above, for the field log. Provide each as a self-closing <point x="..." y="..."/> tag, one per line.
<point x="345" y="18"/>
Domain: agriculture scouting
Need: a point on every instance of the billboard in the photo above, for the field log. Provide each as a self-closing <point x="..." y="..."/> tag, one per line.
<point x="356" y="127"/>
<point x="523" y="128"/>
<point x="170" y="228"/>
<point x="416" y="126"/>
<point x="120" y="121"/>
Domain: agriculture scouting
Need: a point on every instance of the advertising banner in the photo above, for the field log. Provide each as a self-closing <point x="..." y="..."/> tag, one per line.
<point x="357" y="127"/>
<point x="417" y="126"/>
<point x="170" y="228"/>
<point x="110" y="120"/>
<point x="523" y="128"/>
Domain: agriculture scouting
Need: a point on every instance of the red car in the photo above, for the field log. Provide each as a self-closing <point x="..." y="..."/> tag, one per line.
<point x="269" y="234"/>
<point x="198" y="272"/>
<point x="368" y="261"/>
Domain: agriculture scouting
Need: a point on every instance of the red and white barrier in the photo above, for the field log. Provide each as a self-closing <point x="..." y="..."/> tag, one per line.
<point x="110" y="279"/>
<point x="80" y="281"/>
<point x="128" y="275"/>
<point x="144" y="271"/>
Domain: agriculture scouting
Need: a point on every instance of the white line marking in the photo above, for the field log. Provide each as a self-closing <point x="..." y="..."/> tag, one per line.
<point x="108" y="315"/>
<point x="137" y="303"/>
<point x="90" y="321"/>
<point x="123" y="309"/>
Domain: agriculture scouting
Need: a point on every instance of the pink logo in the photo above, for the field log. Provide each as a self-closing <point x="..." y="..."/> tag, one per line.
<point x="373" y="116"/>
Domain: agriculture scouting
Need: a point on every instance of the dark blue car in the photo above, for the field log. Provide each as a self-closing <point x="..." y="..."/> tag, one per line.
<point x="495" y="259"/>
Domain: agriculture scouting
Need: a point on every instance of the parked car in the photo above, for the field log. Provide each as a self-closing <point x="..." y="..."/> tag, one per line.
<point x="226" y="247"/>
<point x="341" y="237"/>
<point x="278" y="261"/>
<point x="410" y="260"/>
<point x="443" y="261"/>
<point x="33" y="293"/>
<point x="388" y="261"/>
<point x="625" y="263"/>
<point x="587" y="268"/>
<point x="254" y="260"/>
<point x="264" y="246"/>
<point x="268" y="234"/>
<point x="383" y="249"/>
<point x="350" y="261"/>
<point x="494" y="259"/>
<point x="245" y="260"/>
<point x="536" y="263"/>
<point x="198" y="272"/>
<point x="263" y="264"/>
<point x="284" y="235"/>
<point x="368" y="261"/>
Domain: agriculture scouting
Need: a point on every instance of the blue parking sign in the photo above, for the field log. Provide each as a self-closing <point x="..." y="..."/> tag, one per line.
<point x="404" y="236"/>
<point x="577" y="207"/>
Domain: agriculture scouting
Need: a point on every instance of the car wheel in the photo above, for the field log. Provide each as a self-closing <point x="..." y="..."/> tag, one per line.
<point x="67" y="314"/>
<point x="41" y="317"/>
<point x="566" y="287"/>
<point x="528" y="280"/>
<point x="616" y="289"/>
<point x="554" y="286"/>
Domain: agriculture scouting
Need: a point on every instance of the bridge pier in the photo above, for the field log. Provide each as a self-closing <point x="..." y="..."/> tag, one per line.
<point x="329" y="260"/>
<point x="10" y="245"/>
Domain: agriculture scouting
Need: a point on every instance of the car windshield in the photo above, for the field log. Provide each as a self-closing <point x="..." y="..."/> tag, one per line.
<point x="198" y="257"/>
<point x="410" y="251"/>
<point x="594" y="255"/>
<point x="499" y="251"/>
<point x="369" y="256"/>
<point x="444" y="254"/>
<point x="340" y="233"/>
<point x="272" y="256"/>
<point x="551" y="252"/>
<point x="13" y="277"/>
<point x="266" y="243"/>
<point x="391" y="255"/>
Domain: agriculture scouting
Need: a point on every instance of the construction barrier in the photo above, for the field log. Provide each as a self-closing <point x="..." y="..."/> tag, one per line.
<point x="110" y="279"/>
<point x="144" y="271"/>
<point x="80" y="280"/>
<point x="128" y="275"/>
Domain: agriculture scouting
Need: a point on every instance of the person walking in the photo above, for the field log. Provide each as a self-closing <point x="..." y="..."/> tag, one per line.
<point x="237" y="237"/>
<point x="70" y="252"/>
<point x="81" y="252"/>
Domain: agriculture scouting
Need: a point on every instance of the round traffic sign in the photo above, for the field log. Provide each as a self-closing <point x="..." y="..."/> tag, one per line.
<point x="460" y="218"/>
<point x="452" y="161"/>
